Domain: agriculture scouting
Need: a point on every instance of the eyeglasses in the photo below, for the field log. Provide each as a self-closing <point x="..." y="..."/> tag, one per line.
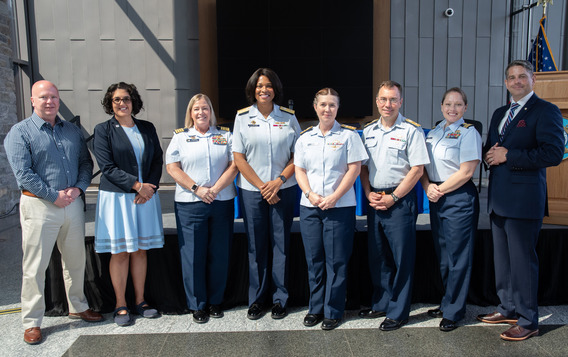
<point x="125" y="100"/>
<point x="393" y="101"/>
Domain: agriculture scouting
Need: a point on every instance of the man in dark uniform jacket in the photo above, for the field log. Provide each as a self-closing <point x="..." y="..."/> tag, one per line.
<point x="524" y="139"/>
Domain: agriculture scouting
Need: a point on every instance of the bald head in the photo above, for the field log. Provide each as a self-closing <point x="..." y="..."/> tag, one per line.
<point x="45" y="100"/>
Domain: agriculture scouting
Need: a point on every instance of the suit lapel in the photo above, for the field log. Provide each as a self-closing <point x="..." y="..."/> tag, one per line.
<point x="521" y="115"/>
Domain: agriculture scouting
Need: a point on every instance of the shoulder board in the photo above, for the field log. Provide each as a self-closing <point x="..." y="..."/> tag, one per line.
<point x="349" y="127"/>
<point x="243" y="111"/>
<point x="413" y="123"/>
<point x="224" y="128"/>
<point x="434" y="127"/>
<point x="466" y="125"/>
<point x="287" y="110"/>
<point x="371" y="122"/>
<point x="180" y="130"/>
<point x="308" y="129"/>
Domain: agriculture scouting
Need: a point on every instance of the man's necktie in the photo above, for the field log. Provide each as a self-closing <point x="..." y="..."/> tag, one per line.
<point x="514" y="107"/>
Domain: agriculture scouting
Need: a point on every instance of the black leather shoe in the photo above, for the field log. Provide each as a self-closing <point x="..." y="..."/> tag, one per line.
<point x="329" y="324"/>
<point x="371" y="314"/>
<point x="278" y="312"/>
<point x="200" y="316"/>
<point x="312" y="319"/>
<point x="390" y="324"/>
<point x="254" y="312"/>
<point x="436" y="313"/>
<point x="448" y="325"/>
<point x="216" y="311"/>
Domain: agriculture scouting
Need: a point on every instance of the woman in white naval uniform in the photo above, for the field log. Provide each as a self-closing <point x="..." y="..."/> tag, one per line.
<point x="328" y="160"/>
<point x="454" y="148"/>
<point x="263" y="145"/>
<point x="200" y="160"/>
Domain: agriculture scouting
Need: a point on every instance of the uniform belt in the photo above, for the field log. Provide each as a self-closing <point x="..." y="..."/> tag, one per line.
<point x="28" y="193"/>
<point x="384" y="191"/>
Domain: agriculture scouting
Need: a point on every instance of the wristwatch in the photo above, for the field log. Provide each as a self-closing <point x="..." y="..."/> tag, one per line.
<point x="283" y="178"/>
<point x="307" y="194"/>
<point x="194" y="187"/>
<point x="394" y="197"/>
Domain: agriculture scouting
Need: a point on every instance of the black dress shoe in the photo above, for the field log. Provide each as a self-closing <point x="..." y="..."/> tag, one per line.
<point x="371" y="314"/>
<point x="200" y="316"/>
<point x="312" y="319"/>
<point x="436" y="313"/>
<point x="254" y="312"/>
<point x="329" y="324"/>
<point x="216" y="311"/>
<point x="278" y="312"/>
<point x="448" y="325"/>
<point x="390" y="324"/>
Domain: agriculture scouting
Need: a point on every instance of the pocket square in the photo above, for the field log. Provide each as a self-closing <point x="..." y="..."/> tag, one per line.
<point x="521" y="124"/>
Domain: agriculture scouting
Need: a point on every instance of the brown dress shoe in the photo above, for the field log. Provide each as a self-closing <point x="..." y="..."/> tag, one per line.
<point x="32" y="336"/>
<point x="496" y="318"/>
<point x="518" y="333"/>
<point x="87" y="315"/>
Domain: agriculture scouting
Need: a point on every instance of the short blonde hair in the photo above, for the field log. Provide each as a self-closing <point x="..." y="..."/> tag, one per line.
<point x="326" y="91"/>
<point x="189" y="120"/>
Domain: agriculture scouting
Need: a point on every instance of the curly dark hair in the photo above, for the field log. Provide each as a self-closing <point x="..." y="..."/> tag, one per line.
<point x="272" y="77"/>
<point x="137" y="104"/>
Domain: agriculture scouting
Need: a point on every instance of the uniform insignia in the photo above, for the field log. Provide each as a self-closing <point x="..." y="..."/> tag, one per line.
<point x="466" y="125"/>
<point x="348" y="127"/>
<point x="192" y="139"/>
<point x="308" y="129"/>
<point x="253" y="123"/>
<point x="223" y="128"/>
<point x="413" y="123"/>
<point x="243" y="111"/>
<point x="287" y="110"/>
<point x="371" y="122"/>
<point x="335" y="144"/>
<point x="219" y="140"/>
<point x="180" y="130"/>
<point x="456" y="134"/>
<point x="280" y="124"/>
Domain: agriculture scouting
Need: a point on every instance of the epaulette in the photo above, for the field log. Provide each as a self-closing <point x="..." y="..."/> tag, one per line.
<point x="413" y="123"/>
<point x="348" y="127"/>
<point x="370" y="123"/>
<point x="287" y="110"/>
<point x="306" y="130"/>
<point x="243" y="111"/>
<point x="180" y="130"/>
<point x="224" y="128"/>
<point x="466" y="125"/>
<point x="434" y="127"/>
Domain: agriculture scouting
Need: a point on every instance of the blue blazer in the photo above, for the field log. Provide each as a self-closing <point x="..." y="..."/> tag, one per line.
<point x="117" y="161"/>
<point x="535" y="141"/>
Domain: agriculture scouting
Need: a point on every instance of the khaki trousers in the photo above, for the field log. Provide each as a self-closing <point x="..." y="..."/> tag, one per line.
<point x="43" y="225"/>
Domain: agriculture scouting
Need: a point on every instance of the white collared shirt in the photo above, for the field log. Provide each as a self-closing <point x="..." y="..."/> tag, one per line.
<point x="204" y="158"/>
<point x="450" y="147"/>
<point x="325" y="159"/>
<point x="521" y="104"/>
<point x="393" y="151"/>
<point x="267" y="143"/>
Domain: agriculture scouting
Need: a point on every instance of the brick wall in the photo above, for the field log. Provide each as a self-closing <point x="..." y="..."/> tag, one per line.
<point x="9" y="194"/>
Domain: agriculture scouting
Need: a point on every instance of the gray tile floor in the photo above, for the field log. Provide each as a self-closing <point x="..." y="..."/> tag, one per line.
<point x="235" y="335"/>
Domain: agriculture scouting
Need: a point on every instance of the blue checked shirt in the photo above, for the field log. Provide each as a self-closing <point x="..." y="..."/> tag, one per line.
<point x="48" y="159"/>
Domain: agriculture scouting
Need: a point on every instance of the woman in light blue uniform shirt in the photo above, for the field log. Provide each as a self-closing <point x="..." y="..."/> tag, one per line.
<point x="200" y="160"/>
<point x="455" y="151"/>
<point x="263" y="146"/>
<point x="328" y="160"/>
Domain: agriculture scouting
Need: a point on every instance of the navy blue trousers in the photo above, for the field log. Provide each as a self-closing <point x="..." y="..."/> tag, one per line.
<point x="516" y="267"/>
<point x="268" y="231"/>
<point x="454" y="225"/>
<point x="392" y="252"/>
<point x="205" y="232"/>
<point x="328" y="243"/>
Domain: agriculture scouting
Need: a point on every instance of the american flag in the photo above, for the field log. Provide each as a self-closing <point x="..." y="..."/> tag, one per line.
<point x="540" y="55"/>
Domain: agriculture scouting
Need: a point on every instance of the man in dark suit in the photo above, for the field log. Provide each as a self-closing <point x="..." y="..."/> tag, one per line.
<point x="524" y="139"/>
